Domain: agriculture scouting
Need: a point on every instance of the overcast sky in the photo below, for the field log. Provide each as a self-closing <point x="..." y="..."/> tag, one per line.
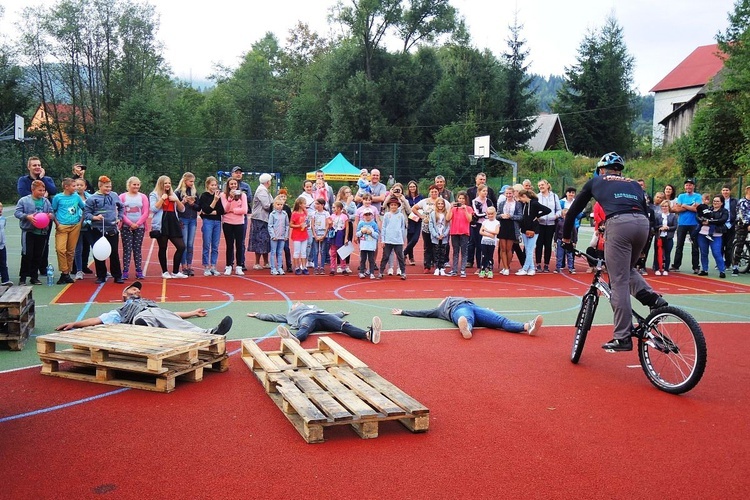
<point x="658" y="33"/>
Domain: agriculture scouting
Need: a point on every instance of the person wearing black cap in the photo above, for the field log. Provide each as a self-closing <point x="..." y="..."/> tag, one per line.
<point x="627" y="230"/>
<point x="687" y="225"/>
<point x="144" y="312"/>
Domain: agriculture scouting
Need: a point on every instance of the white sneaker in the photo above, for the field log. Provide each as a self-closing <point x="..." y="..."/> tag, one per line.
<point x="437" y="272"/>
<point x="377" y="325"/>
<point x="274" y="272"/>
<point x="214" y="272"/>
<point x="280" y="271"/>
<point x="398" y="271"/>
<point x="531" y="273"/>
<point x="180" y="275"/>
<point x="665" y="273"/>
<point x="207" y="272"/>
<point x="657" y="273"/>
<point x="340" y="270"/>
<point x="535" y="324"/>
<point x="309" y="264"/>
<point x="79" y="275"/>
<point x="521" y="272"/>
<point x="238" y="271"/>
<point x="506" y="272"/>
<point x="390" y="271"/>
<point x="228" y="271"/>
<point x="284" y="333"/>
<point x="463" y="327"/>
<point x="166" y="276"/>
<point x="442" y="272"/>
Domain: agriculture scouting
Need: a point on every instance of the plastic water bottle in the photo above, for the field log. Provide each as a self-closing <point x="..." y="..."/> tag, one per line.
<point x="50" y="275"/>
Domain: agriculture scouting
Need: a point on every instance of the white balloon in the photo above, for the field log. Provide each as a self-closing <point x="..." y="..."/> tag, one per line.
<point x="101" y="249"/>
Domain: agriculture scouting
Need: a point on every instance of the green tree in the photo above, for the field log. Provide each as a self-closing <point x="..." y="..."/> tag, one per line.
<point x="13" y="97"/>
<point x="369" y="22"/>
<point x="519" y="103"/>
<point x="596" y="99"/>
<point x="736" y="74"/>
<point x="713" y="146"/>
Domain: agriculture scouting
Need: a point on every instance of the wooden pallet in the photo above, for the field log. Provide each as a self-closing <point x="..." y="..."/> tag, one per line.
<point x="16" y="315"/>
<point x="329" y="386"/>
<point x="140" y="357"/>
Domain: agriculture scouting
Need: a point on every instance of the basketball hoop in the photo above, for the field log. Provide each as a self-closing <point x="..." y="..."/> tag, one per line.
<point x="473" y="159"/>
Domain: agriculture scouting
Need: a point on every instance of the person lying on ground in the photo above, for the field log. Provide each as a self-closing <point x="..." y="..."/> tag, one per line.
<point x="465" y="314"/>
<point x="307" y="319"/>
<point x="144" y="312"/>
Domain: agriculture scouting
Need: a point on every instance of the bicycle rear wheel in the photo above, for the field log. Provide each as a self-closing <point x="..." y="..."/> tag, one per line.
<point x="744" y="252"/>
<point x="583" y="324"/>
<point x="673" y="350"/>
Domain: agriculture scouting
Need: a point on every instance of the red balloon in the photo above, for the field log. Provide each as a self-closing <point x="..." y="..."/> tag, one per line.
<point x="41" y="220"/>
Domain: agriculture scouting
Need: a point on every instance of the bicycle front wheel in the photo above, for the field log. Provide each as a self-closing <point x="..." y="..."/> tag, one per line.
<point x="583" y="324"/>
<point x="673" y="350"/>
<point x="742" y="248"/>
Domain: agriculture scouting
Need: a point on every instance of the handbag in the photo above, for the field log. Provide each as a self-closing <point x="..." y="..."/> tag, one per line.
<point x="154" y="233"/>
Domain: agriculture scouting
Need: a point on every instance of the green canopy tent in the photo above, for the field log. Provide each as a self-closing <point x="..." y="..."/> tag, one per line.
<point x="338" y="169"/>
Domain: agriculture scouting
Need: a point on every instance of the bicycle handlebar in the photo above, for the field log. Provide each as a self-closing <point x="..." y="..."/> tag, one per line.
<point x="591" y="259"/>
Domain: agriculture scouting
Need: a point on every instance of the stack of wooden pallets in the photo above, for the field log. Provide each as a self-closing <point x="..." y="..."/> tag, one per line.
<point x="141" y="357"/>
<point x="329" y="386"/>
<point x="16" y="315"/>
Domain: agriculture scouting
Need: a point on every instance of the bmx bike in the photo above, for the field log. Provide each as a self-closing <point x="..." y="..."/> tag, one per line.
<point x="671" y="345"/>
<point x="742" y="248"/>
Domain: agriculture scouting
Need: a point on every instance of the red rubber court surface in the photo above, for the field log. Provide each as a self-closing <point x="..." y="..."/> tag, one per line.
<point x="510" y="417"/>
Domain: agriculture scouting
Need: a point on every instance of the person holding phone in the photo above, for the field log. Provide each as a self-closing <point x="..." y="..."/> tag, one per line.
<point x="211" y="212"/>
<point x="165" y="225"/>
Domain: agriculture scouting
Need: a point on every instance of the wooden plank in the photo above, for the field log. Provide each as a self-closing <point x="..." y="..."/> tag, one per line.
<point x="299" y="402"/>
<point x="392" y="392"/>
<point x="300" y="355"/>
<point x="364" y="391"/>
<point x="327" y="404"/>
<point x="326" y="343"/>
<point x="250" y="349"/>
<point x="342" y="394"/>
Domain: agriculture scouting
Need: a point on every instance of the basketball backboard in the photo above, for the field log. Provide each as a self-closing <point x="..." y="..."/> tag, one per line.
<point x="482" y="146"/>
<point x="18" y="129"/>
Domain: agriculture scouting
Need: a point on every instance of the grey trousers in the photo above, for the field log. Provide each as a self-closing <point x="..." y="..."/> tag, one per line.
<point x="625" y="235"/>
<point x="164" y="318"/>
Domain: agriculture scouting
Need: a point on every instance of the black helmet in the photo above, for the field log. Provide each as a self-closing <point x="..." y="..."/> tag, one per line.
<point x="611" y="160"/>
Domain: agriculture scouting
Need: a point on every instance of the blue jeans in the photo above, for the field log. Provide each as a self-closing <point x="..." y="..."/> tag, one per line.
<point x="715" y="246"/>
<point x="211" y="237"/>
<point x="529" y="244"/>
<point x="561" y="255"/>
<point x="480" y="316"/>
<point x="327" y="322"/>
<point x="318" y="252"/>
<point x="188" y="236"/>
<point x="276" y="257"/>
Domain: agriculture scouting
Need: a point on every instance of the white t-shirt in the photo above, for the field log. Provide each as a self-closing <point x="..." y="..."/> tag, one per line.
<point x="490" y="225"/>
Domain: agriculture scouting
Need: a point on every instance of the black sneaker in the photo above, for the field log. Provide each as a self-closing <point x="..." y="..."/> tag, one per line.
<point x="62" y="280"/>
<point x="735" y="272"/>
<point x="619" y="345"/>
<point x="36" y="282"/>
<point x="722" y="275"/>
<point x="22" y="282"/>
<point x="86" y="270"/>
<point x="659" y="303"/>
<point x="224" y="326"/>
<point x="703" y="273"/>
<point x="698" y="272"/>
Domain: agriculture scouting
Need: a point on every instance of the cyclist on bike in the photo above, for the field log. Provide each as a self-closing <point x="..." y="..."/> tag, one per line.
<point x="626" y="234"/>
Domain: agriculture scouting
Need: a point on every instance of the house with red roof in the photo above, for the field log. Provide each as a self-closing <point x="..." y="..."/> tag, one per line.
<point x="677" y="94"/>
<point x="58" y="122"/>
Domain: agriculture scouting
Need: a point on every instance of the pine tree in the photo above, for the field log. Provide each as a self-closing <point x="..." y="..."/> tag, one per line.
<point x="596" y="101"/>
<point x="519" y="103"/>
